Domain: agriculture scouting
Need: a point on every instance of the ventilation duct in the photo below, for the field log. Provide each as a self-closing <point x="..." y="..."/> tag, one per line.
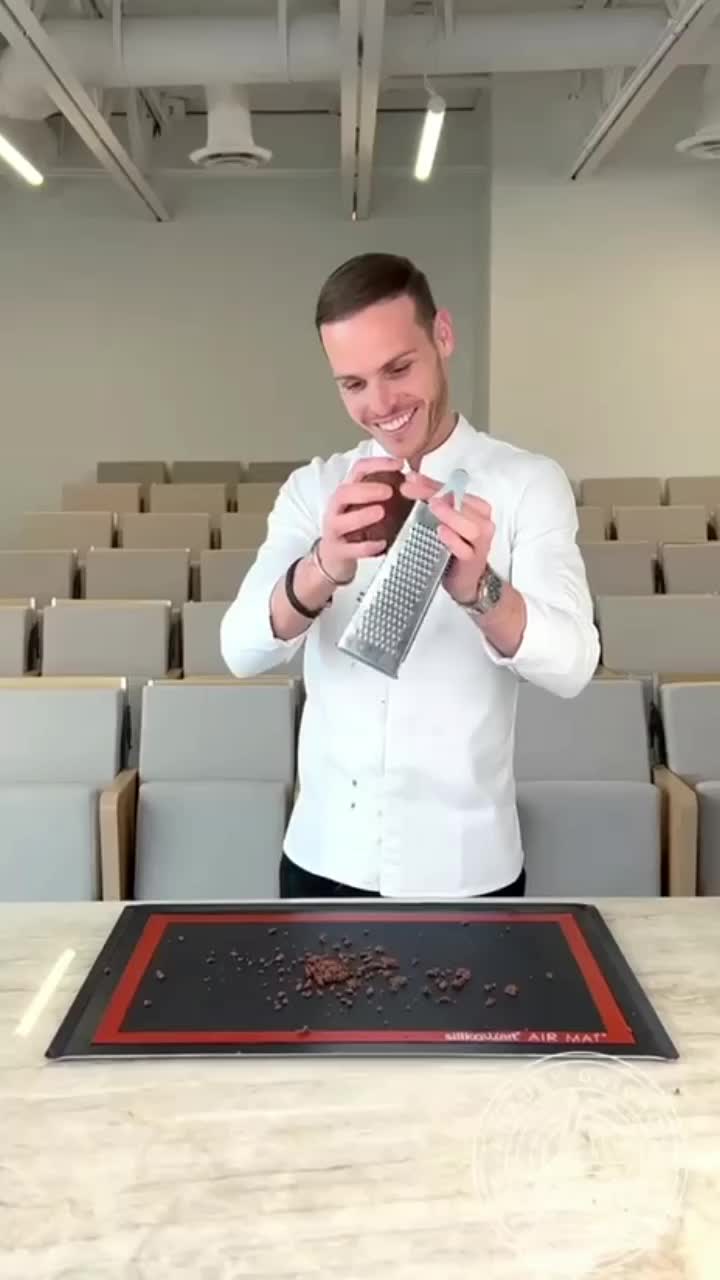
<point x="705" y="143"/>
<point x="229" y="131"/>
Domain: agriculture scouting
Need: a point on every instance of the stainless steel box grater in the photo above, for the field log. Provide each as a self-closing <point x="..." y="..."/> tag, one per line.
<point x="384" y="625"/>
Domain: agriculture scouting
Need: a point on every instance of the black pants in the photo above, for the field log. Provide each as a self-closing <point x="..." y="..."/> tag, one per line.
<point x="295" y="882"/>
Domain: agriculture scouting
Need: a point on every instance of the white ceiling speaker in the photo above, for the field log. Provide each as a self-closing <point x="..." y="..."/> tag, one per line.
<point x="229" y="131"/>
<point x="705" y="143"/>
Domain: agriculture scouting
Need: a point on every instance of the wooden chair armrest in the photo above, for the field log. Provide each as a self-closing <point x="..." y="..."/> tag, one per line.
<point x="118" y="812"/>
<point x="679" y="833"/>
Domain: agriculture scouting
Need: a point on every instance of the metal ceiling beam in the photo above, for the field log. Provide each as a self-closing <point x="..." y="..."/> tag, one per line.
<point x="372" y="32"/>
<point x="22" y="30"/>
<point x="349" y="91"/>
<point x="642" y="85"/>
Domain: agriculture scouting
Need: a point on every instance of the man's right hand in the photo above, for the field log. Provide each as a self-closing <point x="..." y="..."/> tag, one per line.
<point x="356" y="504"/>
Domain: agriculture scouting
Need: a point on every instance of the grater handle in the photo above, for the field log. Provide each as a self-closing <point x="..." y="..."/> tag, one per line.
<point x="457" y="486"/>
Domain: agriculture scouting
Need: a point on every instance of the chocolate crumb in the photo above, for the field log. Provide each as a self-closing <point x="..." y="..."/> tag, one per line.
<point x="181" y="937"/>
<point x="415" y="960"/>
<point x="490" y="1002"/>
<point x="445" y="1000"/>
<point x="511" y="989"/>
<point x="322" y="937"/>
<point x="369" y="991"/>
<point x="147" y="1003"/>
<point x="441" y="984"/>
<point x="396" y="982"/>
<point x="366" y="933"/>
<point x="347" y="942"/>
<point x="107" y="972"/>
<point x="304" y="1031"/>
<point x="272" y="931"/>
<point x="432" y="973"/>
<point x="306" y="995"/>
<point x="489" y="986"/>
<point x="549" y="975"/>
<point x="426" y="992"/>
<point x="159" y="975"/>
<point x="210" y="960"/>
<point x="378" y="950"/>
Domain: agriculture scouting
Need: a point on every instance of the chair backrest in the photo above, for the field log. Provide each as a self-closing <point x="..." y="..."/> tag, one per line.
<point x="671" y="634"/>
<point x="124" y="496"/>
<point x="600" y="736"/>
<point x="212" y="498"/>
<point x="691" y="569"/>
<point x="122" y="574"/>
<point x="592" y="524"/>
<point x="41" y="575"/>
<point x="60" y="735"/>
<point x="106" y="638"/>
<point x="611" y="491"/>
<point x="241" y="530"/>
<point x="257" y="497"/>
<point x="262" y="472"/>
<point x="691" y="716"/>
<point x="188" y="529"/>
<point x="140" y="472"/>
<point x="221" y="573"/>
<point x="620" y="568"/>
<point x="67" y="530"/>
<point x="694" y="491"/>
<point x="660" y="524"/>
<point x="16" y="624"/>
<point x="201" y="638"/>
<point x="199" y="732"/>
<point x="207" y="472"/>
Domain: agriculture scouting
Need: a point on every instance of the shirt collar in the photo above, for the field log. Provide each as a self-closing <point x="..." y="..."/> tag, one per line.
<point x="440" y="462"/>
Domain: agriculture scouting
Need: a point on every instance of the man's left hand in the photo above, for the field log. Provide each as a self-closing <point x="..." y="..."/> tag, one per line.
<point x="467" y="533"/>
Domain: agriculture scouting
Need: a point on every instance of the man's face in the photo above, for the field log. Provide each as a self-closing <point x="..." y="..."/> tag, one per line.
<point x="391" y="374"/>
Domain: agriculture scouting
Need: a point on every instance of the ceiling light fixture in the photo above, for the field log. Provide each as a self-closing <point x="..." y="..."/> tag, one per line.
<point x="17" y="161"/>
<point x="430" y="136"/>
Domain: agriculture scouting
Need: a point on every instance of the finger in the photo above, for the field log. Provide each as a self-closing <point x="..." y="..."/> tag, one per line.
<point x="360" y="495"/>
<point x="417" y="486"/>
<point x="423" y="487"/>
<point x="366" y="467"/>
<point x="459" y="547"/>
<point x="474" y="530"/>
<point x="351" y="521"/>
<point x="363" y="550"/>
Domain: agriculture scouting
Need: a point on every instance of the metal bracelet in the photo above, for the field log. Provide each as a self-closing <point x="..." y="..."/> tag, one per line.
<point x="315" y="555"/>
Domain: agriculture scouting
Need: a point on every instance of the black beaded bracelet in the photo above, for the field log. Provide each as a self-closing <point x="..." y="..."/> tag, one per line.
<point x="297" y="605"/>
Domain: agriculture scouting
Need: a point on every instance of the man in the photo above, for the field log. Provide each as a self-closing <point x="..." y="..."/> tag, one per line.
<point x="406" y="786"/>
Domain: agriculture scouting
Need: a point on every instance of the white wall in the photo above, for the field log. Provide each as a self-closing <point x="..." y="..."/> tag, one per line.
<point x="605" y="318"/>
<point x="120" y="338"/>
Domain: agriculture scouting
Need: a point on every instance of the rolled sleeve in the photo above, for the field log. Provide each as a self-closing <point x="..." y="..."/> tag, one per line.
<point x="560" y="649"/>
<point x="248" y="643"/>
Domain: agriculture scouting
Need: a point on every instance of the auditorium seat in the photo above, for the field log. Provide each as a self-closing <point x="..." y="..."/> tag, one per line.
<point x="67" y="530"/>
<point x="694" y="491"/>
<point x="17" y="622"/>
<point x="138" y="472"/>
<point x="101" y="497"/>
<point x="671" y="635"/>
<point x="240" y="530"/>
<point x="221" y="572"/>
<point x="127" y="638"/>
<point x="128" y="574"/>
<point x="619" y="568"/>
<point x="60" y="747"/>
<point x="592" y="524"/>
<point x="262" y="472"/>
<point x="208" y="472"/>
<point x="153" y="530"/>
<point x="257" y="497"/>
<point x="38" y="575"/>
<point x="201" y="643"/>
<point x="217" y="771"/>
<point x="692" y="569"/>
<point x="613" y="491"/>
<point x="210" y="498"/>
<point x="660" y="524"/>
<point x="589" y="812"/>
<point x="691" y="716"/>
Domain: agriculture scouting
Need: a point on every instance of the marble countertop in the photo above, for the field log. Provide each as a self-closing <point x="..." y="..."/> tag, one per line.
<point x="352" y="1169"/>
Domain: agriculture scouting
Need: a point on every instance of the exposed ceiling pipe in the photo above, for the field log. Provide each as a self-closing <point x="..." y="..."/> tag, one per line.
<point x="165" y="52"/>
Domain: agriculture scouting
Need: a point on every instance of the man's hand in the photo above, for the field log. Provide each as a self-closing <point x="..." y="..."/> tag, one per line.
<point x="356" y="504"/>
<point x="467" y="533"/>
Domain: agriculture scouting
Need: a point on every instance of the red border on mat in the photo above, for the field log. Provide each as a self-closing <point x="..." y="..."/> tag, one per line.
<point x="109" y="1032"/>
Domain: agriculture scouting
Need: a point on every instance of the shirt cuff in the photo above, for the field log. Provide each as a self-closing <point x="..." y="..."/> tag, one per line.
<point x="536" y="643"/>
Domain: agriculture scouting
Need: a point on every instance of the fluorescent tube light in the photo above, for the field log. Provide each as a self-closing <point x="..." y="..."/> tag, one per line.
<point x="17" y="161"/>
<point x="430" y="137"/>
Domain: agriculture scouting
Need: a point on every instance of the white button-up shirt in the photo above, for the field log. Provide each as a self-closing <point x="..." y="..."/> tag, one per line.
<point x="406" y="786"/>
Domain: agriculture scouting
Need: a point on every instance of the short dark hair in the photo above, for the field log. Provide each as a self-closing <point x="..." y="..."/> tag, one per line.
<point x="369" y="278"/>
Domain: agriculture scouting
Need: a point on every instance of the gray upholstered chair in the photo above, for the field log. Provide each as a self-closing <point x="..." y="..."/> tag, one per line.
<point x="241" y="530"/>
<point x="257" y="496"/>
<point x="131" y="639"/>
<point x="590" y="815"/>
<point x="201" y="643"/>
<point x="620" y="568"/>
<point x="217" y="772"/>
<point x="592" y="524"/>
<point x="120" y="496"/>
<point x="672" y="635"/>
<point x="60" y="748"/>
<point x="221" y="572"/>
<point x="211" y="498"/>
<point x="160" y="529"/>
<point x="691" y="720"/>
<point x="611" y="491"/>
<point x="660" y="524"/>
<point x="188" y="471"/>
<point x="692" y="569"/>
<point x="127" y="574"/>
<point x="67" y="530"/>
<point x="38" y="575"/>
<point x="263" y="472"/>
<point x="143" y="472"/>
<point x="17" y="623"/>
<point x="691" y="490"/>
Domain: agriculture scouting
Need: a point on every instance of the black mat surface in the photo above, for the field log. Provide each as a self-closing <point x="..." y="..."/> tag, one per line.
<point x="423" y="978"/>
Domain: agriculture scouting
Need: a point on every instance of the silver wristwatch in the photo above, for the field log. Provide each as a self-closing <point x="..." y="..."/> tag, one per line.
<point x="489" y="593"/>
